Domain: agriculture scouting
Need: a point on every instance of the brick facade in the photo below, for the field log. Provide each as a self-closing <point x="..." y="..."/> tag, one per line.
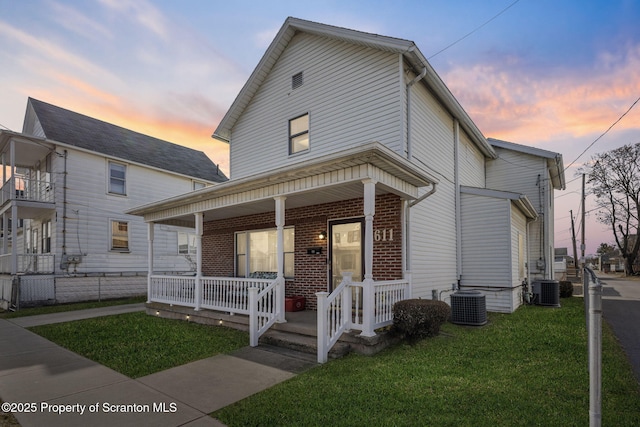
<point x="311" y="271"/>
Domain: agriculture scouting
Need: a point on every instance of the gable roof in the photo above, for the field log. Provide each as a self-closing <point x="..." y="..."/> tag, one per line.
<point x="85" y="132"/>
<point x="554" y="160"/>
<point x="389" y="44"/>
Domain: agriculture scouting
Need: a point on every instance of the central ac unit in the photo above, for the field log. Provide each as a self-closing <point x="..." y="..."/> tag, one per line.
<point x="546" y="292"/>
<point x="468" y="308"/>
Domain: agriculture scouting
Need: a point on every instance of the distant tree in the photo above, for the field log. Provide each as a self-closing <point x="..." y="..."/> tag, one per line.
<point x="614" y="179"/>
<point x="605" y="249"/>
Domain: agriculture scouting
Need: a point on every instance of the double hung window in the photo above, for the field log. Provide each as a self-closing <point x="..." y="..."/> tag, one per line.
<point x="120" y="236"/>
<point x="256" y="252"/>
<point x="299" y="134"/>
<point x="117" y="178"/>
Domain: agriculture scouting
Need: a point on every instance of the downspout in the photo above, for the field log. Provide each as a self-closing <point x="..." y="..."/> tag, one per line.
<point x="411" y="83"/>
<point x="64" y="208"/>
<point x="456" y="181"/>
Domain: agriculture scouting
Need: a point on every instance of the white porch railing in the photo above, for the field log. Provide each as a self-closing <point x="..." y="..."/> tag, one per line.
<point x="23" y="188"/>
<point x="256" y="298"/>
<point x="263" y="309"/>
<point x="29" y="263"/>
<point x="356" y="305"/>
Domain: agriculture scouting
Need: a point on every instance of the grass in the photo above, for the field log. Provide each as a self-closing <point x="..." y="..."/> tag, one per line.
<point x="136" y="344"/>
<point x="47" y="309"/>
<point x="526" y="368"/>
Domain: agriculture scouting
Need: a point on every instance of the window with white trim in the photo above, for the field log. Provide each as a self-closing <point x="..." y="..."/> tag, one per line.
<point x="117" y="178"/>
<point x="186" y="243"/>
<point x="119" y="236"/>
<point x="256" y="252"/>
<point x="299" y="134"/>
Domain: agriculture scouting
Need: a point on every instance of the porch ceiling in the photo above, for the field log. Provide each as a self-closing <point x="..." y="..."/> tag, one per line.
<point x="329" y="179"/>
<point x="29" y="150"/>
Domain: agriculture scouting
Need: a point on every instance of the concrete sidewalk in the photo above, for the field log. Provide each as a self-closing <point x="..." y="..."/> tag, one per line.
<point x="51" y="379"/>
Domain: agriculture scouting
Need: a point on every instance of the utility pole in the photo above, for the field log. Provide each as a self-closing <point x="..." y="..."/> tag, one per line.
<point x="575" y="251"/>
<point x="582" y="244"/>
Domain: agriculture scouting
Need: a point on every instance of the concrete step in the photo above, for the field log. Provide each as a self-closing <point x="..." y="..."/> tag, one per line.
<point x="301" y="343"/>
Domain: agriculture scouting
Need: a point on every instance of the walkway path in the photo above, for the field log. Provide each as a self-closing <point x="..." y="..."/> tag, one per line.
<point x="621" y="309"/>
<point x="62" y="388"/>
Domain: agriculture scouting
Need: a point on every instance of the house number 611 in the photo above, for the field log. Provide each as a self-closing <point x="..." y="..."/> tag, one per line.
<point x="383" y="235"/>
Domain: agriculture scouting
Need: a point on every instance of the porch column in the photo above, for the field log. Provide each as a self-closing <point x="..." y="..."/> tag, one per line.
<point x="14" y="239"/>
<point x="368" y="294"/>
<point x="150" y="234"/>
<point x="5" y="234"/>
<point x="14" y="210"/>
<point x="280" y="318"/>
<point x="198" y="285"/>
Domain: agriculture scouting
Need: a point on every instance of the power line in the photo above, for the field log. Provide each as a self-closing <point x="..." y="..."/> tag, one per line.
<point x="478" y="28"/>
<point x="605" y="132"/>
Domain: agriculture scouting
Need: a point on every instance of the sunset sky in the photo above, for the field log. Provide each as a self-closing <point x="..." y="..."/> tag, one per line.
<point x="548" y="73"/>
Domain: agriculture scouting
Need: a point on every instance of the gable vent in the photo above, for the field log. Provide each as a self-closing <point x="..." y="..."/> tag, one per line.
<point x="296" y="80"/>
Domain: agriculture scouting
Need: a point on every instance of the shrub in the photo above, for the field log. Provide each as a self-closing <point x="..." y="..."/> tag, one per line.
<point x="419" y="318"/>
<point x="566" y="289"/>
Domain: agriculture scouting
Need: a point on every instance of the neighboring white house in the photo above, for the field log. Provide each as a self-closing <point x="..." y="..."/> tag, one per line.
<point x="68" y="180"/>
<point x="354" y="172"/>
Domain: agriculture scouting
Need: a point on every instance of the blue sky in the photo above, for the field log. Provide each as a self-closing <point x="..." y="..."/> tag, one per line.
<point x="553" y="74"/>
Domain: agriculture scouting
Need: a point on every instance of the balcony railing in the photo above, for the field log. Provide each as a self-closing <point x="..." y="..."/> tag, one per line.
<point x="24" y="188"/>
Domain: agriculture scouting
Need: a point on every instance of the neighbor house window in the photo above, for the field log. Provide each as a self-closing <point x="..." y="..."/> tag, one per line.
<point x="117" y="178"/>
<point x="299" y="134"/>
<point x="186" y="243"/>
<point x="119" y="236"/>
<point x="256" y="252"/>
<point x="46" y="237"/>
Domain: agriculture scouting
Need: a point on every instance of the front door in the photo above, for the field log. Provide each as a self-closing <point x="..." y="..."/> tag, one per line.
<point x="345" y="245"/>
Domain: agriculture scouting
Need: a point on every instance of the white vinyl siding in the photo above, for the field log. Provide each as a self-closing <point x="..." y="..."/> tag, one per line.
<point x="351" y="93"/>
<point x="433" y="226"/>
<point x="471" y="163"/>
<point x="488" y="250"/>
<point x="90" y="208"/>
<point x="527" y="174"/>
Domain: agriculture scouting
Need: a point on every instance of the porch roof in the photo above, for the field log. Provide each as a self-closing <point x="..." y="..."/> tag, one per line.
<point x="328" y="179"/>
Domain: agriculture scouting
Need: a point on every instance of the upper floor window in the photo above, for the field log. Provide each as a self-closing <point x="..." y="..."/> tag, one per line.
<point x="198" y="185"/>
<point x="299" y="134"/>
<point x="117" y="178"/>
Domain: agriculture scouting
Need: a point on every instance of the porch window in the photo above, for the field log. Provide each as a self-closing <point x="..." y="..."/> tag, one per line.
<point x="299" y="134"/>
<point x="120" y="236"/>
<point x="186" y="243"/>
<point x="256" y="252"/>
<point x="117" y="178"/>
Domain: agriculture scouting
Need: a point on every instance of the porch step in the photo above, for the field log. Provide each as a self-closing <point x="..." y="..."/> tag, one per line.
<point x="301" y="343"/>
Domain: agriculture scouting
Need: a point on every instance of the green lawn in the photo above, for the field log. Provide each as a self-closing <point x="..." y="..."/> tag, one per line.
<point x="137" y="344"/>
<point x="528" y="368"/>
<point x="47" y="309"/>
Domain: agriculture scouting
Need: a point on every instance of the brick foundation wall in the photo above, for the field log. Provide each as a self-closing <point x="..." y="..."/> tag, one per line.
<point x="311" y="271"/>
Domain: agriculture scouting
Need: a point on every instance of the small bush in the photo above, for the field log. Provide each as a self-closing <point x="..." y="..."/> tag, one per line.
<point x="419" y="318"/>
<point x="566" y="289"/>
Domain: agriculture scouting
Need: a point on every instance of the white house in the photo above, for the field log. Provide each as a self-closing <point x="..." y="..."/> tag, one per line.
<point x="357" y="180"/>
<point x="68" y="180"/>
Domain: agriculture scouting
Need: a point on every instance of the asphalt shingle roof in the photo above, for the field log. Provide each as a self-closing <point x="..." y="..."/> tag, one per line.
<point x="96" y="135"/>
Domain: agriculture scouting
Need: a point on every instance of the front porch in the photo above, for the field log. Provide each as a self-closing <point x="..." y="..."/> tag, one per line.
<point x="299" y="331"/>
<point x="313" y="228"/>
